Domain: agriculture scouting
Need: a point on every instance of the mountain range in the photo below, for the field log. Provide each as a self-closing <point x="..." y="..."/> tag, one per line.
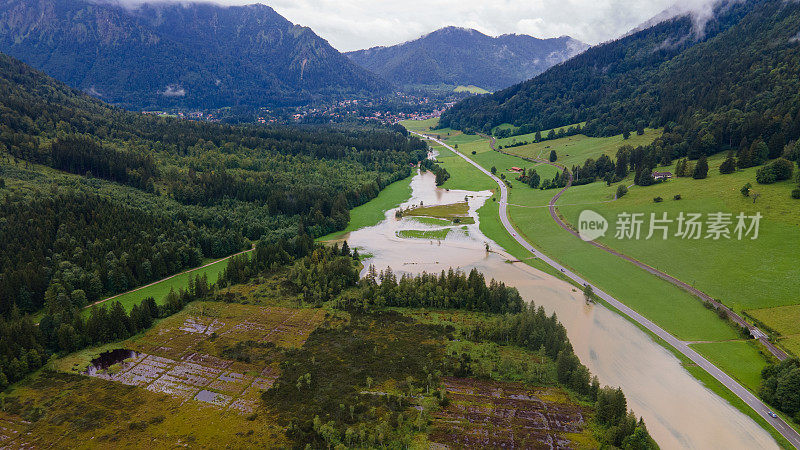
<point x="460" y="56"/>
<point x="196" y="55"/>
<point x="715" y="81"/>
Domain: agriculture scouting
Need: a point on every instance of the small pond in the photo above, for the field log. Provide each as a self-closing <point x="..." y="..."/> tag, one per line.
<point x="107" y="359"/>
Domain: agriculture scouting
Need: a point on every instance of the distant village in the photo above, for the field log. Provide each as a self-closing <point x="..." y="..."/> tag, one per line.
<point x="391" y="110"/>
<point x="194" y="115"/>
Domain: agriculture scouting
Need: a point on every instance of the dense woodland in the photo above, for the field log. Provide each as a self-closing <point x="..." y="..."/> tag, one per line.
<point x="64" y="328"/>
<point x="781" y="387"/>
<point x="735" y="79"/>
<point x="318" y="275"/>
<point x="149" y="197"/>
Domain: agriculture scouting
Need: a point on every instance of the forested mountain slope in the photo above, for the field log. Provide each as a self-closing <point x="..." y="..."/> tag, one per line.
<point x="736" y="77"/>
<point x="459" y="56"/>
<point x="193" y="55"/>
<point x="95" y="200"/>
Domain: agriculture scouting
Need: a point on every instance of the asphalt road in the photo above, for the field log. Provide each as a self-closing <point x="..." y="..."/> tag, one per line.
<point x="740" y="391"/>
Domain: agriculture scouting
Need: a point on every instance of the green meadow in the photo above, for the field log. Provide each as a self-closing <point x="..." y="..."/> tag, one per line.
<point x="160" y="289"/>
<point x="739" y="359"/>
<point x="767" y="264"/>
<point x="696" y="262"/>
<point x="374" y="211"/>
<point x="574" y="150"/>
<point x="471" y="89"/>
<point x="436" y="235"/>
<point x="670" y="307"/>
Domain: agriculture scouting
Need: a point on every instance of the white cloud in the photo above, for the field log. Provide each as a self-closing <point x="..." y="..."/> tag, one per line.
<point x="356" y="24"/>
<point x="93" y="92"/>
<point x="173" y="90"/>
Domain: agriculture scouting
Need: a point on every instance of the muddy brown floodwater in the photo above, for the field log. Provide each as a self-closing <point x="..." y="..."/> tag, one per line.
<point x="679" y="411"/>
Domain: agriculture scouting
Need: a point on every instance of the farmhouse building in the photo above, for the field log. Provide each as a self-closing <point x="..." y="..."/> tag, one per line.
<point x="662" y="175"/>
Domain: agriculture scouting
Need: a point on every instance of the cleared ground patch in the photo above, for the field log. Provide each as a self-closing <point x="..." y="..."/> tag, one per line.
<point x="493" y="414"/>
<point x="63" y="410"/>
<point x="221" y="354"/>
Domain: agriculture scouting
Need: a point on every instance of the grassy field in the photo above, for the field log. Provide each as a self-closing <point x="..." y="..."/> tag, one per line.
<point x="530" y="137"/>
<point x="740" y="359"/>
<point x="768" y="264"/>
<point x="424" y="126"/>
<point x="373" y="212"/>
<point x="574" y="150"/>
<point x="463" y="175"/>
<point x="62" y="410"/>
<point x="160" y="289"/>
<point x="424" y="234"/>
<point x="471" y="89"/>
<point x="671" y="308"/>
<point x="668" y="306"/>
<point x="783" y="319"/>
<point x="455" y="212"/>
<point x="432" y="221"/>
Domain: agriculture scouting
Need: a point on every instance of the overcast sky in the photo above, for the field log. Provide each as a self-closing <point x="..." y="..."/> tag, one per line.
<point x="355" y="24"/>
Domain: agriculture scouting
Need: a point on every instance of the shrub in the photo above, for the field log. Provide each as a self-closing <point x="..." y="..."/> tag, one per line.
<point x="778" y="170"/>
<point x="796" y="194"/>
<point x="474" y="152"/>
<point x="658" y="200"/>
<point x="728" y="166"/>
<point x="677" y="197"/>
<point x="765" y="175"/>
<point x="621" y="190"/>
<point x="745" y="190"/>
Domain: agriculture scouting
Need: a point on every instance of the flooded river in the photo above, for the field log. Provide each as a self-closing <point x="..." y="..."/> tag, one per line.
<point x="678" y="410"/>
